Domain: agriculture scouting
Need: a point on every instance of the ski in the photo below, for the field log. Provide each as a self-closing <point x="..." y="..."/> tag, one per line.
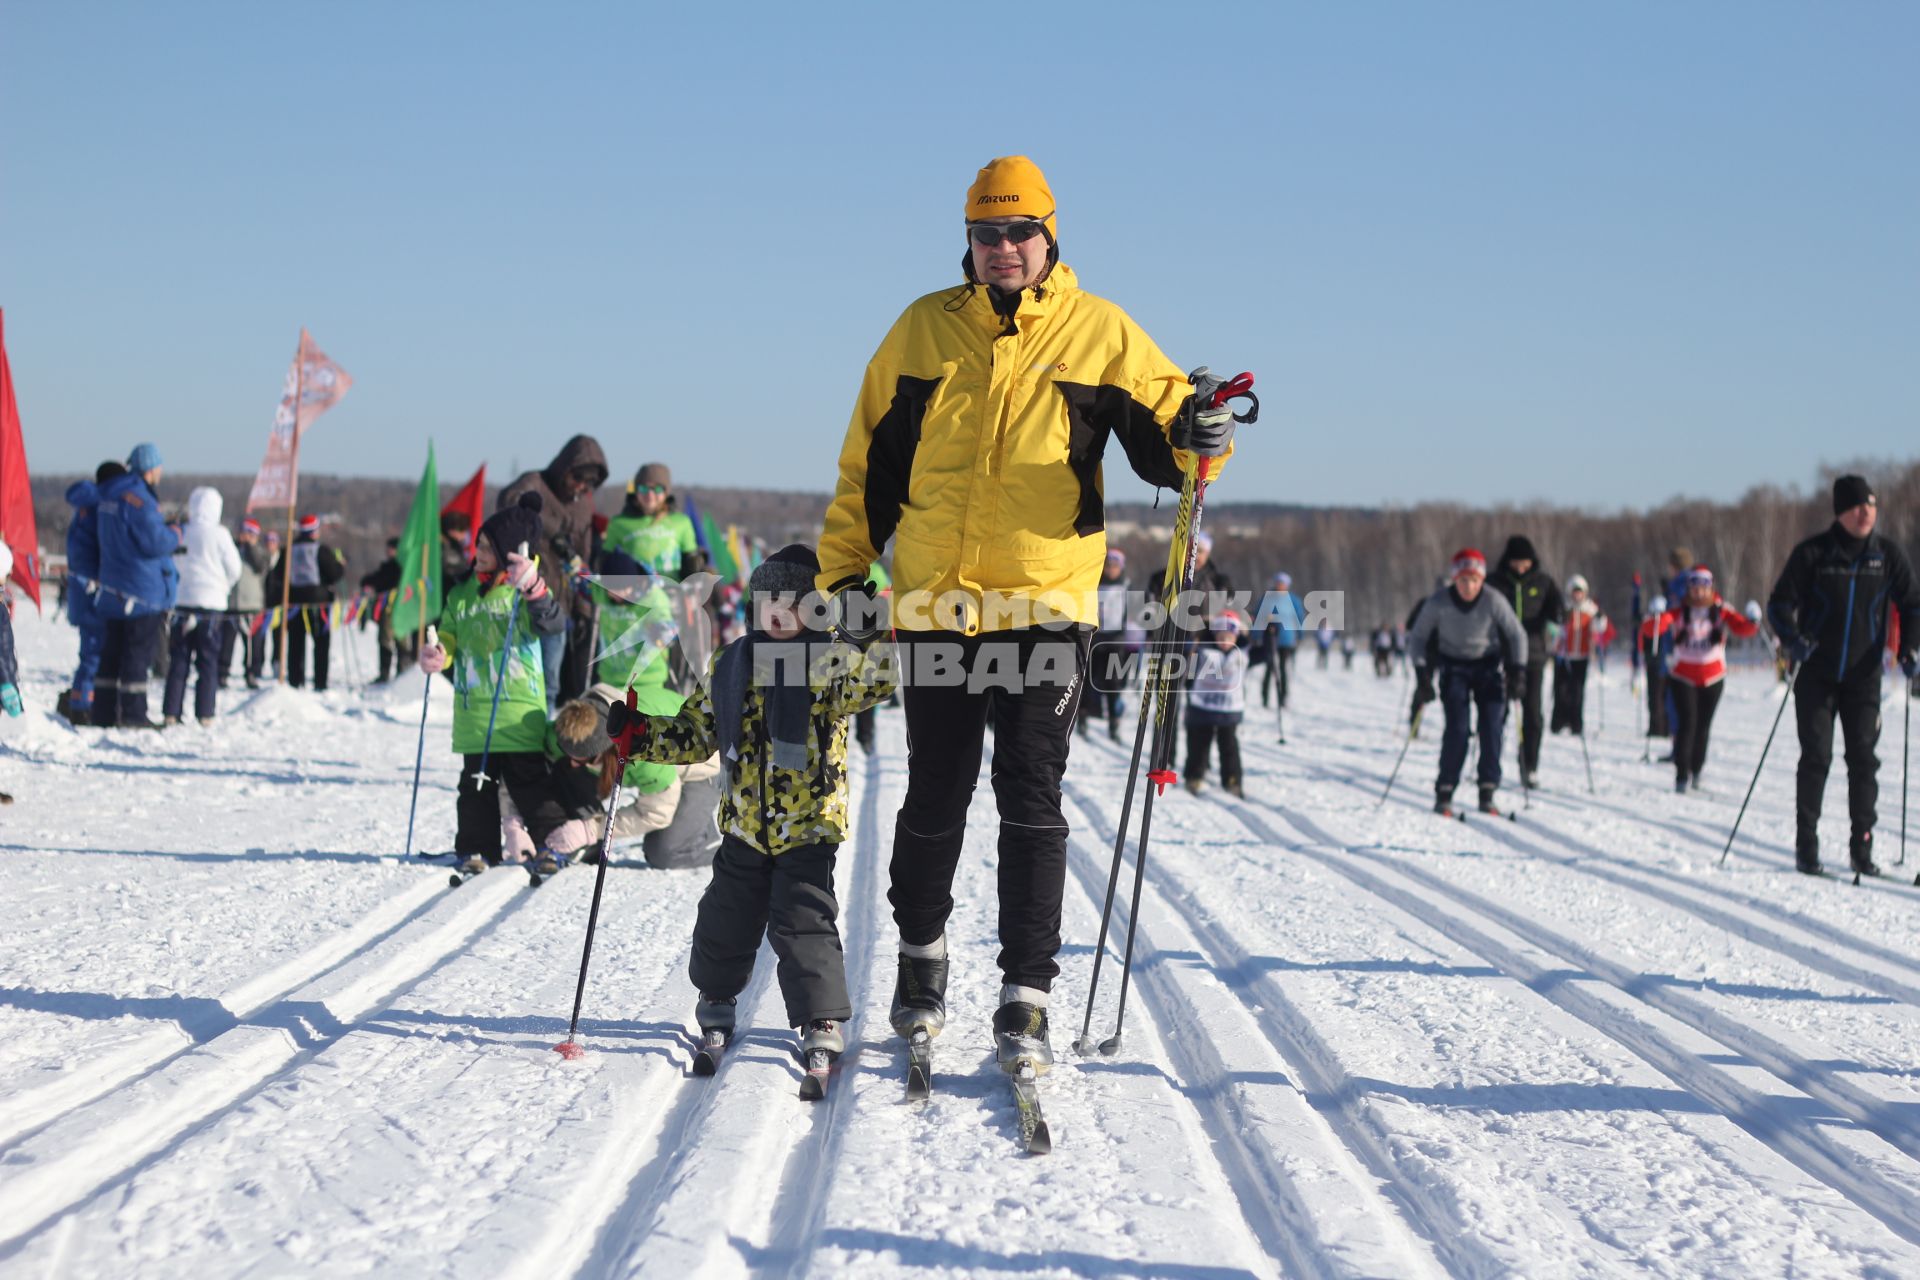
<point x="467" y="870"/>
<point x="813" y="1085"/>
<point x="713" y="1047"/>
<point x="536" y="877"/>
<point x="1034" y="1134"/>
<point x="919" y="1066"/>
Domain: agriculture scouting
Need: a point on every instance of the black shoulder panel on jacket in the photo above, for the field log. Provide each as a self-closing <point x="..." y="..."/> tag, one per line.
<point x="1093" y="414"/>
<point x="890" y="456"/>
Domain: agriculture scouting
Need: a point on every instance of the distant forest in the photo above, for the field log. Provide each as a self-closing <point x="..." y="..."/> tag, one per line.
<point x="1382" y="558"/>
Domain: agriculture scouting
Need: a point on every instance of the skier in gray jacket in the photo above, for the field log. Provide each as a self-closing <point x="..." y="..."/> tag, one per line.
<point x="1478" y="641"/>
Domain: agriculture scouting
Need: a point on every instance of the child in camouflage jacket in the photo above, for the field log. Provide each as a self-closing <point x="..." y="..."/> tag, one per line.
<point x="783" y="808"/>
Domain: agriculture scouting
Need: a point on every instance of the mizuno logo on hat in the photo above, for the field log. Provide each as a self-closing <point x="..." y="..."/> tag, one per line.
<point x="999" y="199"/>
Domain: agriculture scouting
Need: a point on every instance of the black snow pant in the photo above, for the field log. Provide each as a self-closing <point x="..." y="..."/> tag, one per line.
<point x="477" y="804"/>
<point x="1275" y="676"/>
<point x="576" y="661"/>
<point x="293" y="634"/>
<point x="252" y="645"/>
<point x="1693" y="708"/>
<point x="1029" y="680"/>
<point x="120" y="690"/>
<point x="1857" y="703"/>
<point x="788" y="899"/>
<point x="1570" y="696"/>
<point x="1467" y="688"/>
<point x="194" y="640"/>
<point x="1532" y="723"/>
<point x="1657" y="677"/>
<point x="1201" y="735"/>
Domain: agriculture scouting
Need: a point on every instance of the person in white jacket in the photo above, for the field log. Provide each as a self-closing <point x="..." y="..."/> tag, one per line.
<point x="209" y="567"/>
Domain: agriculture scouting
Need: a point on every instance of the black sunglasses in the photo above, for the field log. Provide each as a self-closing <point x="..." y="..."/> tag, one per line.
<point x="988" y="234"/>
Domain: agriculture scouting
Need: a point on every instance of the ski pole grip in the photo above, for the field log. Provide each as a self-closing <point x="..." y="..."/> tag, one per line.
<point x="1215" y="392"/>
<point x="433" y="636"/>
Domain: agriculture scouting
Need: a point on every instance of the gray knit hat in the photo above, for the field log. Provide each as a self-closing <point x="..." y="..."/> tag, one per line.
<point x="789" y="571"/>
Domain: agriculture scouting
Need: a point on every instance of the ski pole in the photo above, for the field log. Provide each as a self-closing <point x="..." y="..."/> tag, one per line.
<point x="1397" y="763"/>
<point x="500" y="681"/>
<point x="1155" y="695"/>
<point x="1792" y="676"/>
<point x="1586" y="756"/>
<point x="1906" y="744"/>
<point x="420" y="750"/>
<point x="623" y="725"/>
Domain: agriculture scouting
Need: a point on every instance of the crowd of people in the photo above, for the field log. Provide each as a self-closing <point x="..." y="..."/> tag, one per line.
<point x="1005" y="608"/>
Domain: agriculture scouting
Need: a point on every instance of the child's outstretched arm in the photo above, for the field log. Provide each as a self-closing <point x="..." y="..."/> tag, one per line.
<point x="686" y="738"/>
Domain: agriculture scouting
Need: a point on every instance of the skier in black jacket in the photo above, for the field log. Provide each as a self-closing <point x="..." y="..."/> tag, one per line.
<point x="1536" y="600"/>
<point x="1829" y="609"/>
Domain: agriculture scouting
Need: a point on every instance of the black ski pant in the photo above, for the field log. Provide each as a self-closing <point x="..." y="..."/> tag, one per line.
<point x="1201" y="735"/>
<point x="194" y="640"/>
<point x="301" y="622"/>
<point x="786" y="898"/>
<point x="1857" y="703"/>
<point x="1109" y="671"/>
<point x="1029" y="680"/>
<point x="1467" y="688"/>
<point x="1657" y="677"/>
<point x="120" y="690"/>
<point x="1693" y="708"/>
<point x="1532" y="723"/>
<point x="1275" y="675"/>
<point x="1570" y="696"/>
<point x="477" y="804"/>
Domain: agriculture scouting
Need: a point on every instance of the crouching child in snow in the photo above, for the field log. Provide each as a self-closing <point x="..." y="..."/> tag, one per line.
<point x="783" y="806"/>
<point x="1216" y="703"/>
<point x="582" y="748"/>
<point x="490" y="631"/>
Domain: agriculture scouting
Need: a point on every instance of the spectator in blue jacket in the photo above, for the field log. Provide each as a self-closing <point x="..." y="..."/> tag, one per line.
<point x="137" y="584"/>
<point x="83" y="588"/>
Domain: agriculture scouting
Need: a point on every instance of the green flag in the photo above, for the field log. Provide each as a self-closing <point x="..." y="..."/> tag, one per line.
<point x="416" y="601"/>
<point x="723" y="562"/>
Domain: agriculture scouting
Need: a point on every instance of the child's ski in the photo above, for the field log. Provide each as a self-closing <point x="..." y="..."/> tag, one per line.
<point x="1034" y="1134"/>
<point x="813" y="1085"/>
<point x="713" y="1047"/>
<point x="919" y="1066"/>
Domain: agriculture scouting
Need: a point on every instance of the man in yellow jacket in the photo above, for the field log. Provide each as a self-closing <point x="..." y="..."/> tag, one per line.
<point x="976" y="446"/>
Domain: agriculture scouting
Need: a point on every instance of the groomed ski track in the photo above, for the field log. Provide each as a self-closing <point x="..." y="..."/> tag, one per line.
<point x="1360" y="1041"/>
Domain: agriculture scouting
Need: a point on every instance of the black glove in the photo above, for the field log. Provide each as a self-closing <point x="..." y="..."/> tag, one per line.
<point x="1799" y="649"/>
<point x="1516" y="683"/>
<point x="1910" y="663"/>
<point x="1202" y="430"/>
<point x="858" y="615"/>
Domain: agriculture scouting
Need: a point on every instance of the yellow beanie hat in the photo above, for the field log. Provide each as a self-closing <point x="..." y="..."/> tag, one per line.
<point x="1012" y="186"/>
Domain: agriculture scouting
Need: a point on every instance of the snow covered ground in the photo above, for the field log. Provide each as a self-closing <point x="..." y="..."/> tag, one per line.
<point x="239" y="1037"/>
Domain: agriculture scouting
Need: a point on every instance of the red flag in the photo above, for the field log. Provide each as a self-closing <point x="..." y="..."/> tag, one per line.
<point x="472" y="500"/>
<point x="314" y="385"/>
<point x="16" y="490"/>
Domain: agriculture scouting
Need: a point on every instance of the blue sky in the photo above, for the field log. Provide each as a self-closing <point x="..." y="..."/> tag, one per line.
<point x="1594" y="254"/>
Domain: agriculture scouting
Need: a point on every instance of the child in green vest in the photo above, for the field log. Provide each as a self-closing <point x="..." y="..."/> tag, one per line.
<point x="490" y="629"/>
<point x="636" y="625"/>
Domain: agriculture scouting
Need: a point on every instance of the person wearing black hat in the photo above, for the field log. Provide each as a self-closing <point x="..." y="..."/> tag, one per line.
<point x="1536" y="601"/>
<point x="1830" y="609"/>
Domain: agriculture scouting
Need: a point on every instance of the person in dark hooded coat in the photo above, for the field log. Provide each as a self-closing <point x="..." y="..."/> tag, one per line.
<point x="566" y="487"/>
<point x="1535" y="596"/>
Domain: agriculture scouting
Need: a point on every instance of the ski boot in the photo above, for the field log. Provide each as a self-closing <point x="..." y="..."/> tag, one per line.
<point x="1680" y="784"/>
<point x="821" y="1044"/>
<point x="1233" y="788"/>
<point x="715" y="1017"/>
<point x="1020" y="1030"/>
<point x="920" y="995"/>
<point x="1443" y="801"/>
<point x="1487" y="806"/>
<point x="1196" y="785"/>
<point x="1806" y="857"/>
<point x="1860" y="853"/>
